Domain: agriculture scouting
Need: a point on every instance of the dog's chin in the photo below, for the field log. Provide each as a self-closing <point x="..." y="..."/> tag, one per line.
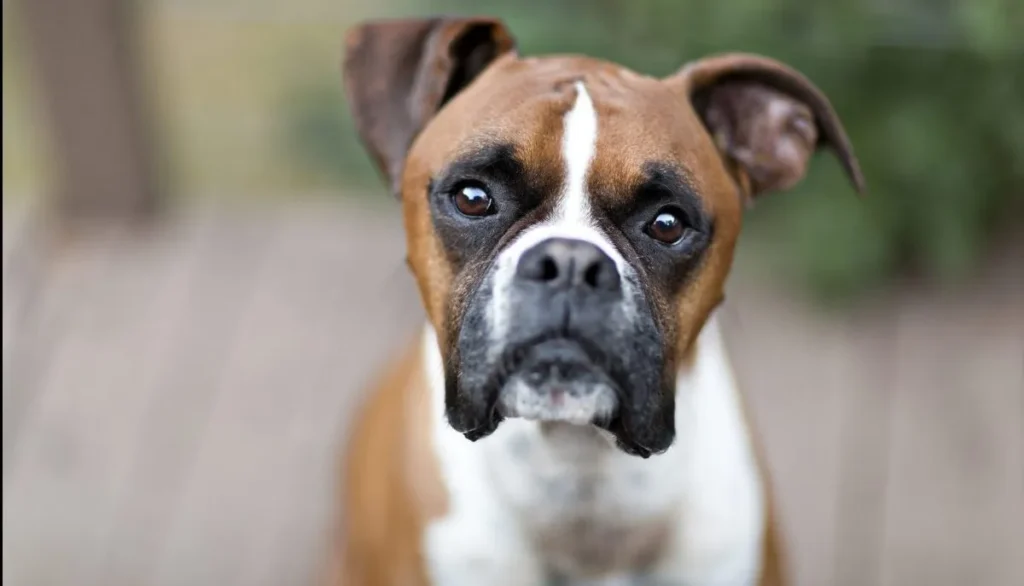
<point x="556" y="380"/>
<point x="558" y="400"/>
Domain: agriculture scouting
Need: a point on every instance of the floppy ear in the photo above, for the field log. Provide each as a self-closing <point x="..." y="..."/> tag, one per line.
<point x="399" y="73"/>
<point x="766" y="119"/>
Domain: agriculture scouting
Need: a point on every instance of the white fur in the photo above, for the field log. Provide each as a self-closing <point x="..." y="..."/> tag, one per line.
<point x="525" y="402"/>
<point x="478" y="541"/>
<point x="721" y="520"/>
<point x="579" y="144"/>
<point x="518" y="495"/>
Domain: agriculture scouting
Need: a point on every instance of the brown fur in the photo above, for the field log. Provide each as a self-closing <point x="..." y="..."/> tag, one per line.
<point x="391" y="484"/>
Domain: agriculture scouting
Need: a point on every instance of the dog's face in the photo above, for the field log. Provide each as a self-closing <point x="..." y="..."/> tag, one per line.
<point x="571" y="223"/>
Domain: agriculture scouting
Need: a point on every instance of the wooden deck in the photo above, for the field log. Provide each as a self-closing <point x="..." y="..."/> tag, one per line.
<point x="174" y="402"/>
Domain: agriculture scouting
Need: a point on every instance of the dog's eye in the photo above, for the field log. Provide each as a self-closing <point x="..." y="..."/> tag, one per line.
<point x="667" y="227"/>
<point x="473" y="200"/>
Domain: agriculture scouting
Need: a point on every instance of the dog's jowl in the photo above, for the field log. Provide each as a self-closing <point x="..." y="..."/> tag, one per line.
<point x="569" y="414"/>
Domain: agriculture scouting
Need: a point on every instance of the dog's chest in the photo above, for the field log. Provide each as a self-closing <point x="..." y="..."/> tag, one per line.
<point x="587" y="507"/>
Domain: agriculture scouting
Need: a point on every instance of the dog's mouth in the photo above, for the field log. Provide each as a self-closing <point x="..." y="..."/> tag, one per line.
<point x="565" y="376"/>
<point x="552" y="378"/>
<point x="556" y="379"/>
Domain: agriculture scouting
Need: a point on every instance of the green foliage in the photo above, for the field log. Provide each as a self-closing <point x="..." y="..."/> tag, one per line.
<point x="322" y="138"/>
<point x="931" y="92"/>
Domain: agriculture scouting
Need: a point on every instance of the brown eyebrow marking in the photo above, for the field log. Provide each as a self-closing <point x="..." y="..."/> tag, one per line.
<point x="661" y="183"/>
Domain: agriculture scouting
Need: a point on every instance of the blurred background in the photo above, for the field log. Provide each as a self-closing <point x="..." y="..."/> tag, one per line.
<point x="201" y="272"/>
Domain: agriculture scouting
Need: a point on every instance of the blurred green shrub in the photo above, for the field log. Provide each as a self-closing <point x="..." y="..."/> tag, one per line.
<point x="322" y="137"/>
<point x="931" y="92"/>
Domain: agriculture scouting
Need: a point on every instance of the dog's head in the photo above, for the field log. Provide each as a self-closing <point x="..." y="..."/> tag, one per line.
<point x="571" y="222"/>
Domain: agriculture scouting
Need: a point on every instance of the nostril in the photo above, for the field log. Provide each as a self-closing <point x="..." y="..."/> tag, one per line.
<point x="601" y="275"/>
<point x="592" y="276"/>
<point x="548" y="269"/>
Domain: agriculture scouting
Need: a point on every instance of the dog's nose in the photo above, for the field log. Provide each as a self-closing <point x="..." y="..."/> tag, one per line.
<point x="563" y="263"/>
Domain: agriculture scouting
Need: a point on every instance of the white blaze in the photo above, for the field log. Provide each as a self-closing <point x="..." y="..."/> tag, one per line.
<point x="572" y="216"/>
<point x="579" y="143"/>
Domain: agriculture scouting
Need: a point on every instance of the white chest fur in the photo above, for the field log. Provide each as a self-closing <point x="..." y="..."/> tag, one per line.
<point x="535" y="498"/>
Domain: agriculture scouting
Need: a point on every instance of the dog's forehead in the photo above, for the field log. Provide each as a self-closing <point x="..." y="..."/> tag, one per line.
<point x="523" y="102"/>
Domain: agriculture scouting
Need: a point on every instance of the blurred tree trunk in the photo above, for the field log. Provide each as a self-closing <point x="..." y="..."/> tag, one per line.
<point x="88" y="67"/>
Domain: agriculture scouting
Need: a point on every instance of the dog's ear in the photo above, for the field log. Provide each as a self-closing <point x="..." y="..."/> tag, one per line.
<point x="766" y="119"/>
<point x="398" y="73"/>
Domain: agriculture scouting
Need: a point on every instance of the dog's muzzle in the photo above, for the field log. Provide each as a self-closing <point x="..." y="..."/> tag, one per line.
<point x="574" y="349"/>
<point x="559" y="376"/>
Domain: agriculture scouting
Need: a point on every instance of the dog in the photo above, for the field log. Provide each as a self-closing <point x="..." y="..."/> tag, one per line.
<point x="569" y="415"/>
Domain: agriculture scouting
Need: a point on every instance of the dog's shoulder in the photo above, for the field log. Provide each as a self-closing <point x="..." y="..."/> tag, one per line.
<point x="390" y="488"/>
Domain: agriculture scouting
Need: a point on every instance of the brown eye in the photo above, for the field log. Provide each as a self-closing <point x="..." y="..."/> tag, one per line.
<point x="473" y="200"/>
<point x="667" y="227"/>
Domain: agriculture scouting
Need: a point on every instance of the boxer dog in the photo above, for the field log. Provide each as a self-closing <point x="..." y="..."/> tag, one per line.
<point x="569" y="415"/>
